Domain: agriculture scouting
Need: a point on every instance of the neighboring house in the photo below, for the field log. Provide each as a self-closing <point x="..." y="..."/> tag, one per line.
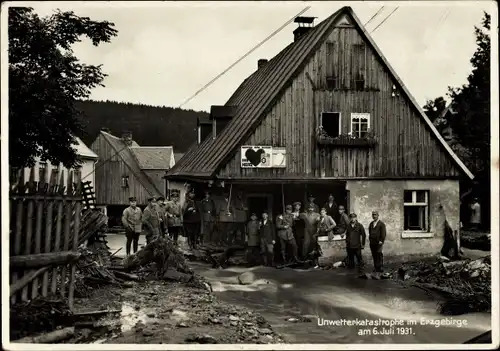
<point x="126" y="169"/>
<point x="329" y="114"/>
<point x="84" y="171"/>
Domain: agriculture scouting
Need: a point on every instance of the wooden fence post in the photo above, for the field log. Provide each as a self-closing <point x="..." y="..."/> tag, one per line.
<point x="29" y="227"/>
<point x="76" y="231"/>
<point x="18" y="233"/>
<point x="48" y="229"/>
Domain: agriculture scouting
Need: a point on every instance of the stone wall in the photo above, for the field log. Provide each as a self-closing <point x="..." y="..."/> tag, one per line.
<point x="386" y="196"/>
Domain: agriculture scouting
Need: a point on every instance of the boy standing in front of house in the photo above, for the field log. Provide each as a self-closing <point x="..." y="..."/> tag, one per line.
<point x="376" y="236"/>
<point x="267" y="239"/>
<point x="132" y="221"/>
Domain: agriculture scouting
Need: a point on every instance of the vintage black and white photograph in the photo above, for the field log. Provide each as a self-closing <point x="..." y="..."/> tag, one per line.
<point x="251" y="175"/>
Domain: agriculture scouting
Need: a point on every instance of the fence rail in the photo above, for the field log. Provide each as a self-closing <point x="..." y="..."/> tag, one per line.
<point x="44" y="228"/>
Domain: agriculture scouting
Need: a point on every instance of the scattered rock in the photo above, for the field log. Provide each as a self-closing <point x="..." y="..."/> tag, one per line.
<point x="246" y="278"/>
<point x="215" y="321"/>
<point x="234" y="324"/>
<point x="292" y="320"/>
<point x="234" y="318"/>
<point x="265" y="331"/>
<point x="147" y="332"/>
<point x="151" y="315"/>
<point x="182" y="325"/>
<point x="338" y="264"/>
<point x="176" y="276"/>
<point x="201" y="339"/>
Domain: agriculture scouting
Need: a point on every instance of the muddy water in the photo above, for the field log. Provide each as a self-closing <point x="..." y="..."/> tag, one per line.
<point x="325" y="296"/>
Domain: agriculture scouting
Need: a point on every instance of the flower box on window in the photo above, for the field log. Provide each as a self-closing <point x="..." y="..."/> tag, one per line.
<point x="347" y="140"/>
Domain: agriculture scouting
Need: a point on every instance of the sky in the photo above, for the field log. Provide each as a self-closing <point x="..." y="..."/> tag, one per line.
<point x="166" y="51"/>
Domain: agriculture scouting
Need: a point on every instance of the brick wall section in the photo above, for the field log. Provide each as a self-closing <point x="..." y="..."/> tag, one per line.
<point x="386" y="196"/>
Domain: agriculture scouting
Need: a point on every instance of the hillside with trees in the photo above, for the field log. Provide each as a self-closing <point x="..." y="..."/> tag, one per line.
<point x="470" y="123"/>
<point x="150" y="125"/>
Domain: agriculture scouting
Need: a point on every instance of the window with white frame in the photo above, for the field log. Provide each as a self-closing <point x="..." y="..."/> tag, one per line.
<point x="416" y="210"/>
<point x="330" y="121"/>
<point x="360" y="124"/>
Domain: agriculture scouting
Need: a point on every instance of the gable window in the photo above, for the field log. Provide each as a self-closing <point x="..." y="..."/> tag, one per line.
<point x="124" y="181"/>
<point x="416" y="211"/>
<point x="360" y="124"/>
<point x="330" y="121"/>
<point x="77" y="174"/>
<point x="42" y="171"/>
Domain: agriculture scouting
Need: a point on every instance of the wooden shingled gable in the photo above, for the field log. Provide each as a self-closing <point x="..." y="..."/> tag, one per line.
<point x="257" y="94"/>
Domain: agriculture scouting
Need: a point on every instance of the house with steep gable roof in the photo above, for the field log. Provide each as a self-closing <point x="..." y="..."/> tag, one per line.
<point x="329" y="115"/>
<point x="126" y="169"/>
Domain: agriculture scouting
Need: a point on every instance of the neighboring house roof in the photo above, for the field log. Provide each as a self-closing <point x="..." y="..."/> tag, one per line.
<point x="153" y="157"/>
<point x="83" y="150"/>
<point x="178" y="156"/>
<point x="260" y="91"/>
<point x="130" y="161"/>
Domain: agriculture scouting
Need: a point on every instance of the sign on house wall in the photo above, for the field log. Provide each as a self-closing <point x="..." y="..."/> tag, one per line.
<point x="263" y="157"/>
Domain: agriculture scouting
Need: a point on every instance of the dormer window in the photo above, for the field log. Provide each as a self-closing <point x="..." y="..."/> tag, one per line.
<point x="360" y="124"/>
<point x="330" y="121"/>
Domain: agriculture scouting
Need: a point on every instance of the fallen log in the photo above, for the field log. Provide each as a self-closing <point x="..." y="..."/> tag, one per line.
<point x="26" y="279"/>
<point x="93" y="313"/>
<point x="173" y="275"/>
<point x="43" y="259"/>
<point x="48" y="338"/>
<point x="126" y="276"/>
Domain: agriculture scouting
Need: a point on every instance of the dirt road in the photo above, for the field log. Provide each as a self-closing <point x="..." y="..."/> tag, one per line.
<point x="338" y="295"/>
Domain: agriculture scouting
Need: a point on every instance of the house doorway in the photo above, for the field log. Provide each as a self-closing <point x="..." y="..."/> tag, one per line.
<point x="257" y="203"/>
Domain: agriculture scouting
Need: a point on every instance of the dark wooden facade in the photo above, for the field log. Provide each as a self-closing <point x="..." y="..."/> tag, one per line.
<point x="406" y="148"/>
<point x="110" y="169"/>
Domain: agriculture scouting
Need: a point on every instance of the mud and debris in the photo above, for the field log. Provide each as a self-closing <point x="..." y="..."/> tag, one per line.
<point x="465" y="284"/>
<point x="475" y="240"/>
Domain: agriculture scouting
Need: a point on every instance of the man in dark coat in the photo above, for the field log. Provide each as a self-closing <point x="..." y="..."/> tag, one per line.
<point x="267" y="239"/>
<point x="163" y="218"/>
<point x="355" y="242"/>
<point x="331" y="208"/>
<point x="376" y="236"/>
<point x="311" y="200"/>
<point x="298" y="225"/>
<point x="151" y="221"/>
<point x="253" y="239"/>
<point x="192" y="219"/>
<point x="343" y="221"/>
<point x="208" y="213"/>
<point x="284" y="227"/>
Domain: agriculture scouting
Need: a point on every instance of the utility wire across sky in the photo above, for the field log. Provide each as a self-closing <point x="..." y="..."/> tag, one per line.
<point x="385" y="19"/>
<point x="375" y="15"/>
<point x="100" y="164"/>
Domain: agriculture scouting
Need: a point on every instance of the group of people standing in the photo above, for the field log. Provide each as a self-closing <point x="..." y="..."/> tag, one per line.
<point x="158" y="219"/>
<point x="297" y="229"/>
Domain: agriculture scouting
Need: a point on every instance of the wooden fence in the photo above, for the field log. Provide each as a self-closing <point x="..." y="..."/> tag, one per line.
<point x="44" y="227"/>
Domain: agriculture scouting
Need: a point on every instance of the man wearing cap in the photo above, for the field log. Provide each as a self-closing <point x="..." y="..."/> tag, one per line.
<point x="207" y="217"/>
<point x="173" y="212"/>
<point x="162" y="213"/>
<point x="225" y="217"/>
<point x="311" y="199"/>
<point x="253" y="239"/>
<point x="284" y="226"/>
<point x="298" y="225"/>
<point x="376" y="236"/>
<point x="151" y="221"/>
<point x="267" y="239"/>
<point x="343" y="221"/>
<point x="311" y="220"/>
<point x="191" y="216"/>
<point x="131" y="220"/>
<point x="355" y="242"/>
<point x="331" y="208"/>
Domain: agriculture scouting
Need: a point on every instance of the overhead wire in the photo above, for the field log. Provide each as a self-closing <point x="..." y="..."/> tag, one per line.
<point x="244" y="56"/>
<point x="101" y="164"/>
<point x="385" y="19"/>
<point x="375" y="15"/>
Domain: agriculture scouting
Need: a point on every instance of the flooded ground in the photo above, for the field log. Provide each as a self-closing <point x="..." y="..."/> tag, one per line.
<point x="322" y="298"/>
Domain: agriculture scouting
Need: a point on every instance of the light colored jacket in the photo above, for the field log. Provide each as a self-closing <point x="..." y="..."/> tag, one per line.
<point x="132" y="219"/>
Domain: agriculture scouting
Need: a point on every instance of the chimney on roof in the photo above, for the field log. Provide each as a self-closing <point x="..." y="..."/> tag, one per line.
<point x="127" y="138"/>
<point x="261" y="63"/>
<point x="305" y="25"/>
